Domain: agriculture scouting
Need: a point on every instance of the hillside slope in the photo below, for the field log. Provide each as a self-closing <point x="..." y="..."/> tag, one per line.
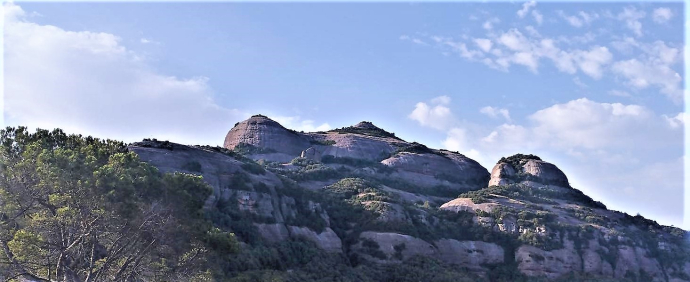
<point x="371" y="202"/>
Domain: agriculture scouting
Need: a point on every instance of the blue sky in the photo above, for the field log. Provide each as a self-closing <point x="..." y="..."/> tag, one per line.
<point x="594" y="88"/>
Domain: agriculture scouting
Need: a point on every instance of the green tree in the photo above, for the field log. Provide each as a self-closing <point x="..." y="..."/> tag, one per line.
<point x="84" y="209"/>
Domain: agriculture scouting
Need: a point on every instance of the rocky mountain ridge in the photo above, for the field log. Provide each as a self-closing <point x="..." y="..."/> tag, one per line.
<point x="366" y="195"/>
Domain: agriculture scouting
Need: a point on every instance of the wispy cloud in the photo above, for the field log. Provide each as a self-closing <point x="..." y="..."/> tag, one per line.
<point x="662" y="15"/>
<point x="496" y="112"/>
<point x="631" y="17"/>
<point x="414" y="40"/>
<point x="525" y="8"/>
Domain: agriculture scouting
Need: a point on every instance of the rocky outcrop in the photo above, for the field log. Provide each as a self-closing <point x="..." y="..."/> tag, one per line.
<point x="501" y="174"/>
<point x="265" y="138"/>
<point x="573" y="233"/>
<point x="466" y="204"/>
<point x="393" y="246"/>
<point x="532" y="170"/>
<point x="533" y="261"/>
<point x="349" y="145"/>
<point x="432" y="169"/>
<point x="545" y="172"/>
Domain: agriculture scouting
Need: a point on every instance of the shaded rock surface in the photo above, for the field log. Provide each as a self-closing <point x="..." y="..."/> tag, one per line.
<point x="471" y="254"/>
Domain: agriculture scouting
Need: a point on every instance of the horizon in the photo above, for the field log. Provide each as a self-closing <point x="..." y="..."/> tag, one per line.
<point x="484" y="79"/>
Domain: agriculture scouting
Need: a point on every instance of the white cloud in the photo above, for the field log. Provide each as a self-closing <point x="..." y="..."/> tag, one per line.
<point x="413" y="40"/>
<point x="652" y="67"/>
<point x="457" y="140"/>
<point x="538" y="17"/>
<point x="641" y="75"/>
<point x="588" y="17"/>
<point x="297" y="123"/>
<point x="483" y="43"/>
<point x="525" y="8"/>
<point x="442" y="100"/>
<point x="495" y="112"/>
<point x="489" y="24"/>
<point x="460" y="48"/>
<point x="579" y="125"/>
<point x="89" y="83"/>
<point x="591" y="62"/>
<point x="675" y="121"/>
<point x="532" y="31"/>
<point x="662" y="15"/>
<point x="580" y="19"/>
<point x="514" y="40"/>
<point x="587" y="124"/>
<point x="527" y="52"/>
<point x="581" y="128"/>
<point x="572" y="20"/>
<point x="527" y="59"/>
<point x="437" y="115"/>
<point x="631" y="16"/>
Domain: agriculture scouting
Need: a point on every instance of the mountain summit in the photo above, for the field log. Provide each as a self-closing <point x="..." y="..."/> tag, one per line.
<point x="362" y="204"/>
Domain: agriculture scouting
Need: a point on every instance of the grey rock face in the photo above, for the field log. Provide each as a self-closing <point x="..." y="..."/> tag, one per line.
<point x="544" y="171"/>
<point x="409" y="246"/>
<point x="531" y="171"/>
<point x="453" y="170"/>
<point x="266" y="134"/>
<point x="466" y="204"/>
<point x="348" y="145"/>
<point x="470" y="254"/>
<point x="501" y="173"/>
<point x="276" y="143"/>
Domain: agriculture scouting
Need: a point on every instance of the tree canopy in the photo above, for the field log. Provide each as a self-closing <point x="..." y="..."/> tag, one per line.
<point x="76" y="208"/>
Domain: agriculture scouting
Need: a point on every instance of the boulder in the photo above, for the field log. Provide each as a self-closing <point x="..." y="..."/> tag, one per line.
<point x="466" y="204"/>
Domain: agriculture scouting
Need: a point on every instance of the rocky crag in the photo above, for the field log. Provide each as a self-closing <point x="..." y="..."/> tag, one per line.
<point x="365" y="195"/>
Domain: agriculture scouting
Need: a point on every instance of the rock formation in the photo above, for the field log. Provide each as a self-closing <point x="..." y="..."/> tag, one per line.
<point x="365" y="194"/>
<point x="520" y="170"/>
